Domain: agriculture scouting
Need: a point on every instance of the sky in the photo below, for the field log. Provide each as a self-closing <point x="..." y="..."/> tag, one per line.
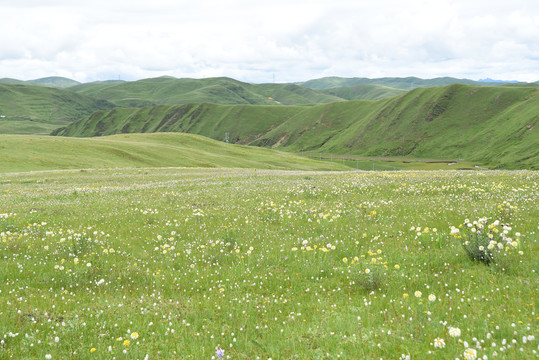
<point x="269" y="41"/>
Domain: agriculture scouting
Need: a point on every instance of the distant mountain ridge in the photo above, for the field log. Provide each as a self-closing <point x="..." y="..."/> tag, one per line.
<point x="403" y="83"/>
<point x="51" y="81"/>
<point x="221" y="90"/>
<point x="489" y="80"/>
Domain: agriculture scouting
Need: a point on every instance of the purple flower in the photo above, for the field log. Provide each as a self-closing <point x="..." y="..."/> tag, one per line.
<point x="219" y="353"/>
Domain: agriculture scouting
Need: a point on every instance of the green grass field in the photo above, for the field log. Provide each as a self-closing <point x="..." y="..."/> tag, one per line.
<point x="181" y="263"/>
<point x="30" y="153"/>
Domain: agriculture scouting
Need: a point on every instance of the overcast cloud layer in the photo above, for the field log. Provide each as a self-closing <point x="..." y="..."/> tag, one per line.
<point x="259" y="41"/>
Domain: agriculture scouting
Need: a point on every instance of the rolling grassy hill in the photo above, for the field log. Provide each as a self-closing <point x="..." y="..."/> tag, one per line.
<point x="495" y="125"/>
<point x="55" y="81"/>
<point x="169" y="90"/>
<point x="363" y="92"/>
<point x="30" y="153"/>
<point x="243" y="123"/>
<point x="28" y="109"/>
<point x="407" y="83"/>
<point x="51" y="81"/>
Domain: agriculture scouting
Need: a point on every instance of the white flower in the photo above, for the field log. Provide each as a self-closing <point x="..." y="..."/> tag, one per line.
<point x="432" y="297"/>
<point x="48" y="356"/>
<point x="470" y="354"/>
<point x="439" y="343"/>
<point x="454" y="332"/>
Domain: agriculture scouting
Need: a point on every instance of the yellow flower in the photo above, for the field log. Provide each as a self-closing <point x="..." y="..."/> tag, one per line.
<point x="134" y="335"/>
<point x="405" y="295"/>
<point x="397" y="266"/>
<point x="367" y="271"/>
<point x="344" y="259"/>
<point x="93" y="350"/>
<point x="127" y="342"/>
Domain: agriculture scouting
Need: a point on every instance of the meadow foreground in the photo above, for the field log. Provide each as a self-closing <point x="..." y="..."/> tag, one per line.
<point x="249" y="264"/>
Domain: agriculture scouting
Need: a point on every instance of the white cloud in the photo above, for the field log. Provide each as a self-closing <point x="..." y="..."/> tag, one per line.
<point x="252" y="40"/>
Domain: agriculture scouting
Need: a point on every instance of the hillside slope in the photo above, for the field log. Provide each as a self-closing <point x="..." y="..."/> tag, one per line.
<point x="491" y="124"/>
<point x="497" y="125"/>
<point x="169" y="90"/>
<point x="30" y="153"/>
<point x="39" y="110"/>
<point x="363" y="92"/>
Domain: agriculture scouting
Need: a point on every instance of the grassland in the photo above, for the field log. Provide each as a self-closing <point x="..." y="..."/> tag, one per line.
<point x="186" y="263"/>
<point x="30" y="153"/>
<point x="363" y="92"/>
<point x="169" y="90"/>
<point x="490" y="125"/>
<point x="30" y="109"/>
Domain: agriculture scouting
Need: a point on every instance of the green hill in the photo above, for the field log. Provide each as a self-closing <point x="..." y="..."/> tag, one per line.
<point x="495" y="125"/>
<point x="55" y="81"/>
<point x="407" y="83"/>
<point x="51" y="81"/>
<point x="243" y="123"/>
<point x="28" y="109"/>
<point x="363" y="92"/>
<point x="30" y="153"/>
<point x="169" y="90"/>
<point x="10" y="81"/>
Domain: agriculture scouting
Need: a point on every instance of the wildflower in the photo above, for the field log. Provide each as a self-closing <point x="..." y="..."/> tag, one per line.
<point x="454" y="332"/>
<point x="432" y="297"/>
<point x="439" y="343"/>
<point x="418" y="294"/>
<point x="127" y="342"/>
<point x="470" y="354"/>
<point x="367" y="271"/>
<point x="134" y="335"/>
<point x="92" y="350"/>
<point x="344" y="259"/>
<point x="405" y="295"/>
<point x="219" y="352"/>
<point x="397" y="266"/>
<point x="48" y="356"/>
